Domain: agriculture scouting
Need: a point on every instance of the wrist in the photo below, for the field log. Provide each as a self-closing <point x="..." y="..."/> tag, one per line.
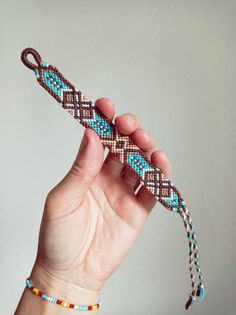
<point x="55" y="287"/>
<point x="65" y="290"/>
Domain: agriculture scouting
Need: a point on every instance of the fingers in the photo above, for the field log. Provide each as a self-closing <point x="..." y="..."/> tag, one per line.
<point x="106" y="106"/>
<point x="160" y="160"/>
<point x="146" y="143"/>
<point x="143" y="140"/>
<point x="129" y="124"/>
<point x="126" y="124"/>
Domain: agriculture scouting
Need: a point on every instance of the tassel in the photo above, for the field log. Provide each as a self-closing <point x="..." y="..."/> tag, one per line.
<point x="200" y="291"/>
<point x="190" y="301"/>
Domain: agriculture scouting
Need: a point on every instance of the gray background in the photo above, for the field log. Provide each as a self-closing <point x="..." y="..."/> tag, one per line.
<point x="173" y="64"/>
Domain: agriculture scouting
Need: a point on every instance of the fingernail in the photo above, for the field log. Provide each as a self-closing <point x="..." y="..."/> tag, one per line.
<point x="131" y="120"/>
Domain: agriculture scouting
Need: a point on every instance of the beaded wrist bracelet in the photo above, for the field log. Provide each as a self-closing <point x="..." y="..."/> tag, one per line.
<point x="85" y="112"/>
<point x="54" y="300"/>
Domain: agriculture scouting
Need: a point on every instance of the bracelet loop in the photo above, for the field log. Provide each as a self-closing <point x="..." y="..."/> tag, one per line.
<point x="35" y="54"/>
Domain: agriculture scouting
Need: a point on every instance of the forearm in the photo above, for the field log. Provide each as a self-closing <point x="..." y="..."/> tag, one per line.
<point x="31" y="303"/>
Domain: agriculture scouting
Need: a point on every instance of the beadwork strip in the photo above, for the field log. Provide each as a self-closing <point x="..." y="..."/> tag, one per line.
<point x="54" y="300"/>
<point x="86" y="113"/>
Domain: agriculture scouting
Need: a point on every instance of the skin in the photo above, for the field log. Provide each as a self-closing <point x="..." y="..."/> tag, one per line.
<point x="91" y="220"/>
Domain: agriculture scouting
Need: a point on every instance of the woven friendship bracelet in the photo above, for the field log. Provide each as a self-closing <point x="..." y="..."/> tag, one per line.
<point x="85" y="112"/>
<point x="54" y="300"/>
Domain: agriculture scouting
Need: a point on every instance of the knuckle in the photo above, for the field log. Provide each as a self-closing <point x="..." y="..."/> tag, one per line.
<point x="77" y="170"/>
<point x="80" y="171"/>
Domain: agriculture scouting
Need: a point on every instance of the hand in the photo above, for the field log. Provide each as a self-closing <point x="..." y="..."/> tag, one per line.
<point x="92" y="217"/>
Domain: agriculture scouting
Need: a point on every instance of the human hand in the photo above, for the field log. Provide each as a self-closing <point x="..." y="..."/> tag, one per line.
<point x="93" y="216"/>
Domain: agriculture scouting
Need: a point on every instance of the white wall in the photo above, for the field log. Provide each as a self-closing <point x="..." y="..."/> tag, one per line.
<point x="173" y="64"/>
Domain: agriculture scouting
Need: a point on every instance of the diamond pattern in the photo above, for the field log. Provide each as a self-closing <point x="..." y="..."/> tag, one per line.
<point x="122" y="146"/>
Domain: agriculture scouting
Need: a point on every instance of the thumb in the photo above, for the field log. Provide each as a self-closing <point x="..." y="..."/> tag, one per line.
<point x="84" y="170"/>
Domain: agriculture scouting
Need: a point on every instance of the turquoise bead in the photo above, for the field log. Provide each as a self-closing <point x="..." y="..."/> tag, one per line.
<point x="44" y="296"/>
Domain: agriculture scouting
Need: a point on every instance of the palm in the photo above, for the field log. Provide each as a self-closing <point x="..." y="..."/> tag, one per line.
<point x="93" y="236"/>
<point x="93" y="217"/>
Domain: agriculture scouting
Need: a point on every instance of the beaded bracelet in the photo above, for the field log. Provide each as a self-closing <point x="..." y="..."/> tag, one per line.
<point x="54" y="300"/>
<point x="86" y="113"/>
